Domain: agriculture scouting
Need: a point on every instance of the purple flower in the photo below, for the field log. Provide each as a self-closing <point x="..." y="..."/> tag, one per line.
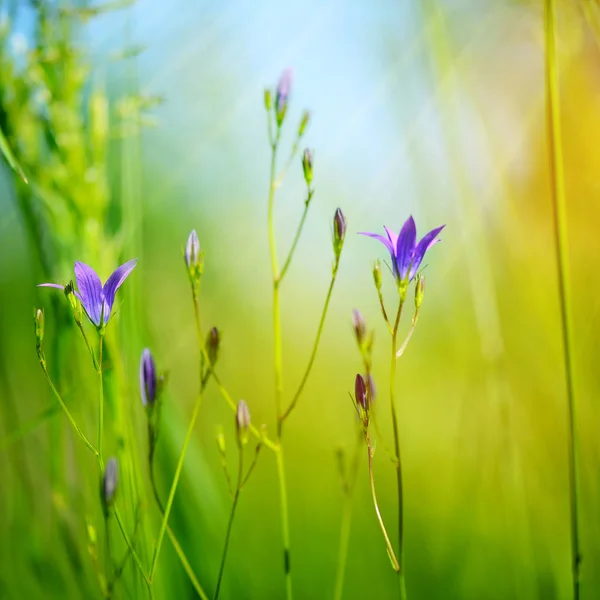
<point x="282" y="94"/>
<point x="110" y="481"/>
<point x="147" y="378"/>
<point x="97" y="300"/>
<point x="406" y="253"/>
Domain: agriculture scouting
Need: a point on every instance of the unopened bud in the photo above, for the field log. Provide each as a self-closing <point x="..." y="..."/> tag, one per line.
<point x="360" y="326"/>
<point x="339" y="231"/>
<point x="303" y="123"/>
<point x="419" y="291"/>
<point x="377" y="274"/>
<point x="109" y="482"/>
<point x="242" y="421"/>
<point x="192" y="250"/>
<point x="370" y="389"/>
<point x="221" y="443"/>
<point x="268" y="100"/>
<point x="148" y="384"/>
<point x="307" y="166"/>
<point x="74" y="302"/>
<point x="360" y="394"/>
<point x="213" y="341"/>
<point x="284" y="88"/>
<point x="38" y="318"/>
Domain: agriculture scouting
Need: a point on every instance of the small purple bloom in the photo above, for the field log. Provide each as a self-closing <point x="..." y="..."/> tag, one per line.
<point x="282" y="94"/>
<point x="192" y="250"/>
<point x="147" y="378"/>
<point x="406" y="253"/>
<point x="97" y="300"/>
<point x="110" y="481"/>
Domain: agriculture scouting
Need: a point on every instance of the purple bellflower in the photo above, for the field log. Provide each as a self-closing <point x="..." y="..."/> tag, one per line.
<point x="147" y="378"/>
<point x="284" y="87"/>
<point x="97" y="300"/>
<point x="406" y="253"/>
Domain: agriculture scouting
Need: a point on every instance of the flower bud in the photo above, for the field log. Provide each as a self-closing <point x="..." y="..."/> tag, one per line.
<point x="221" y="445"/>
<point x="339" y="231"/>
<point x="360" y="326"/>
<point x="74" y="302"/>
<point x="109" y="482"/>
<point x="268" y="100"/>
<point x="148" y="385"/>
<point x="213" y="341"/>
<point x="360" y="391"/>
<point x="419" y="291"/>
<point x="192" y="251"/>
<point x="282" y="95"/>
<point x="303" y="123"/>
<point x="242" y="421"/>
<point x="377" y="274"/>
<point x="370" y="389"/>
<point x="38" y="318"/>
<point x="307" y="166"/>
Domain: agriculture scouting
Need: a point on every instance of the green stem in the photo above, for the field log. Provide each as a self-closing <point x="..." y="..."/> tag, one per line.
<point x="284" y="522"/>
<point x="101" y="399"/>
<point x="397" y="449"/>
<point x="388" y="544"/>
<point x="402" y="348"/>
<point x="176" y="545"/>
<point x="290" y="255"/>
<point x="231" y="517"/>
<point x="561" y="239"/>
<point x="313" y="354"/>
<point x="169" y="505"/>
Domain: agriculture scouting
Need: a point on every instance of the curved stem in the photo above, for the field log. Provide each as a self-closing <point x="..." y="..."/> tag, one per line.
<point x="285" y="528"/>
<point x="313" y="354"/>
<point x="402" y="348"/>
<point x="290" y="255"/>
<point x="560" y="226"/>
<point x="230" y="523"/>
<point x="169" y="505"/>
<point x="390" y="548"/>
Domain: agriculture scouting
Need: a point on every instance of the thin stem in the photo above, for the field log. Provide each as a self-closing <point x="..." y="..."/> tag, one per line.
<point x="285" y="528"/>
<point x="346" y="522"/>
<point x="290" y="255"/>
<point x="397" y="446"/>
<point x="402" y="348"/>
<point x="230" y="523"/>
<point x="561" y="238"/>
<point x="176" y="545"/>
<point x="87" y="343"/>
<point x="383" y="312"/>
<point x="252" y="465"/>
<point x="66" y="411"/>
<point x="313" y="354"/>
<point x="390" y="548"/>
<point x="101" y="399"/>
<point x="169" y="505"/>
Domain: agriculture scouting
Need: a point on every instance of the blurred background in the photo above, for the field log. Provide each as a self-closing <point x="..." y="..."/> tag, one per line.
<point x="136" y="122"/>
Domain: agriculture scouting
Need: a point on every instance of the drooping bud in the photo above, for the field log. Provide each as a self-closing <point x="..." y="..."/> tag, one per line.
<point x="360" y="326"/>
<point x="38" y="318"/>
<point x="148" y="385"/>
<point x="110" y="480"/>
<point x="242" y="421"/>
<point x="339" y="231"/>
<point x="303" y="123"/>
<point x="307" y="166"/>
<point x="268" y="100"/>
<point x="377" y="274"/>
<point x="282" y="95"/>
<point x="419" y="291"/>
<point x="213" y="341"/>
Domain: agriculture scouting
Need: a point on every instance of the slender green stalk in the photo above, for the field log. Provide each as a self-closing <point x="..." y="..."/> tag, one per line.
<point x="561" y="239"/>
<point x="400" y="561"/>
<point x="236" y="496"/>
<point x="285" y="528"/>
<point x="313" y="354"/>
<point x="402" y="348"/>
<point x="388" y="544"/>
<point x="176" y="545"/>
<point x="169" y="504"/>
<point x="67" y="412"/>
<point x="290" y="255"/>
<point x="101" y="400"/>
<point x="346" y="521"/>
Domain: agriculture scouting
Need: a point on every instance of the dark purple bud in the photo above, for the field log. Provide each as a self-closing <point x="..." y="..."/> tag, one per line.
<point x="339" y="231"/>
<point x="360" y="392"/>
<point x="242" y="421"/>
<point x="192" y="250"/>
<point x="213" y="341"/>
<point x="307" y="166"/>
<point x="147" y="378"/>
<point x="110" y="481"/>
<point x="360" y="326"/>
<point x="284" y="88"/>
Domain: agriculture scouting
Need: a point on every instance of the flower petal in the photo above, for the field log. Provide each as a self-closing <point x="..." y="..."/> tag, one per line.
<point x="113" y="283"/>
<point x="405" y="247"/>
<point x="428" y="240"/>
<point x="393" y="237"/>
<point x="385" y="241"/>
<point x="54" y="285"/>
<point x="90" y="288"/>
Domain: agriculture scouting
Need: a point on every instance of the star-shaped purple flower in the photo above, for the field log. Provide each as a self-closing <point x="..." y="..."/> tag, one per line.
<point x="97" y="300"/>
<point x="406" y="253"/>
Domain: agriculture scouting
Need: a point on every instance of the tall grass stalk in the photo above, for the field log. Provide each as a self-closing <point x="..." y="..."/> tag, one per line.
<point x="557" y="185"/>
